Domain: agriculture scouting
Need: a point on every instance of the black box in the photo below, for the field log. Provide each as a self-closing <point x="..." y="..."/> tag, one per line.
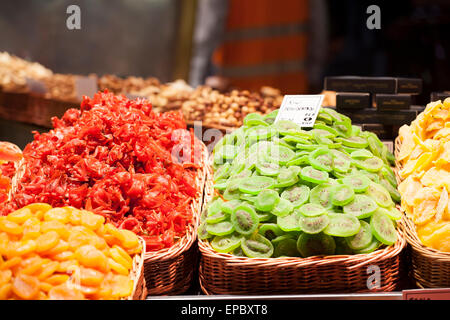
<point x="361" y="84"/>
<point x="352" y="100"/>
<point x="392" y="101"/>
<point x="435" y="96"/>
<point x="372" y="115"/>
<point x="409" y="85"/>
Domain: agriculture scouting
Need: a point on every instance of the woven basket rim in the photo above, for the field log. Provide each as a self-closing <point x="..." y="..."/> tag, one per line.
<point x="410" y="230"/>
<point x="351" y="261"/>
<point x="185" y="242"/>
<point x="137" y="272"/>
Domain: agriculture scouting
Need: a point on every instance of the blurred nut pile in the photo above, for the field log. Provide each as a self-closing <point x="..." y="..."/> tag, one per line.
<point x="14" y="71"/>
<point x="61" y="87"/>
<point x="229" y="109"/>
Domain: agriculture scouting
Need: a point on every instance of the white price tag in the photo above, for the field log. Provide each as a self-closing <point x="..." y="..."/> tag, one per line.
<point x="301" y="109"/>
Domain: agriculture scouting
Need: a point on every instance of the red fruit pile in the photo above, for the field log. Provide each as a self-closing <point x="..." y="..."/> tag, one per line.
<point x="114" y="157"/>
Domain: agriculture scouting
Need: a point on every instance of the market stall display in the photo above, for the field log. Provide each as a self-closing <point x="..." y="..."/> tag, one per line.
<point x="66" y="253"/>
<point x="423" y="162"/>
<point x="326" y="195"/>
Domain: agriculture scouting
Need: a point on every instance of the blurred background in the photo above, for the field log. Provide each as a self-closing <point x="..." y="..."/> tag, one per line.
<point x="136" y="47"/>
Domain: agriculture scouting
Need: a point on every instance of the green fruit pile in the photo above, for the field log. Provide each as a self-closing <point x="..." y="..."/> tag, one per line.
<point x="288" y="191"/>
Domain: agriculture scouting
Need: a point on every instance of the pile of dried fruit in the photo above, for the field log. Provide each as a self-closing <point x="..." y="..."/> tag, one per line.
<point x="64" y="253"/>
<point x="10" y="155"/>
<point x="283" y="190"/>
<point x="425" y="157"/>
<point x="118" y="158"/>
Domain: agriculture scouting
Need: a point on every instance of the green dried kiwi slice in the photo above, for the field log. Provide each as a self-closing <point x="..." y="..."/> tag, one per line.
<point x="237" y="166"/>
<point x="312" y="210"/>
<point x="374" y="177"/>
<point x="361" y="207"/>
<point x="283" y="237"/>
<point x="217" y="217"/>
<point x="279" y="154"/>
<point x="283" y="208"/>
<point x="255" y="184"/>
<point x="298" y="161"/>
<point x="341" y="161"/>
<point x="251" y="160"/>
<point x="247" y="197"/>
<point x="321" y="159"/>
<point x="214" y="206"/>
<point x="374" y="245"/>
<point x="286" y="248"/>
<point x="231" y="195"/>
<point x="315" y="245"/>
<point x="390" y="157"/>
<point x="270" y="230"/>
<point x="313" y="225"/>
<point x="221" y="184"/>
<point x="265" y="216"/>
<point x="335" y="116"/>
<point x="395" y="195"/>
<point x="373" y="164"/>
<point x="260" y="147"/>
<point x="235" y="138"/>
<point x="356" y="130"/>
<point x="257" y="247"/>
<point x="324" y="117"/>
<point x="286" y="178"/>
<point x="321" y="195"/>
<point x="324" y="127"/>
<point x="203" y="234"/>
<point x="238" y="252"/>
<point x="380" y="195"/>
<point x="342" y="225"/>
<point x="307" y="147"/>
<point x="295" y="139"/>
<point x="222" y="172"/>
<point x="342" y="194"/>
<point x="270" y="117"/>
<point x="297" y="195"/>
<point x="260" y="133"/>
<point x="220" y="229"/>
<point x="322" y="133"/>
<point x="361" y="154"/>
<point x="266" y="200"/>
<point x="354" y="142"/>
<point x="254" y="119"/>
<point x="375" y="145"/>
<point x="362" y="239"/>
<point x="285" y="127"/>
<point x="321" y="138"/>
<point x="358" y="182"/>
<point x="342" y="247"/>
<point x="383" y="228"/>
<point x="243" y="174"/>
<point x="244" y="219"/>
<point x="266" y="168"/>
<point x="229" y="206"/>
<point x="389" y="175"/>
<point x="288" y="223"/>
<point x="227" y="152"/>
<point x="349" y="150"/>
<point x="310" y="174"/>
<point x="392" y="212"/>
<point x="226" y="243"/>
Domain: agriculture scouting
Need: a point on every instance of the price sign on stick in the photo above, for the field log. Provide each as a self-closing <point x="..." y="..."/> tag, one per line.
<point x="301" y="109"/>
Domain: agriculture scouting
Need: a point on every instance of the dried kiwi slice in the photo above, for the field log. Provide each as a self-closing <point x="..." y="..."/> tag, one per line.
<point x="361" y="154"/>
<point x="341" y="161"/>
<point x="222" y="172"/>
<point x="254" y="119"/>
<point x="264" y="216"/>
<point x="226" y="243"/>
<point x="227" y="152"/>
<point x="354" y="142"/>
<point x="307" y="147"/>
<point x="312" y="210"/>
<point x="282" y="208"/>
<point x="202" y="232"/>
<point x="383" y="228"/>
<point x="270" y="117"/>
<point x="362" y="239"/>
<point x="220" y="229"/>
<point x="315" y="245"/>
<point x="254" y="185"/>
<point x="288" y="223"/>
<point x="321" y="194"/>
<point x="310" y="174"/>
<point x="260" y="133"/>
<point x="270" y="230"/>
<point x="295" y="139"/>
<point x="286" y="127"/>
<point x="298" y="161"/>
<point x="266" y="200"/>
<point x="361" y="207"/>
<point x="389" y="175"/>
<point x="217" y="217"/>
<point x="229" y="206"/>
<point x="221" y="184"/>
<point x="257" y="247"/>
<point x="286" y="178"/>
<point x="323" y="127"/>
<point x="358" y="182"/>
<point x="321" y="159"/>
<point x="297" y="195"/>
<point x="247" y="197"/>
<point x="342" y="225"/>
<point x="342" y="247"/>
<point x="266" y="168"/>
<point x="373" y="164"/>
<point x="342" y="194"/>
<point x="395" y="195"/>
<point x="379" y="194"/>
<point x="215" y="206"/>
<point x="244" y="219"/>
<point x="392" y="213"/>
<point x="286" y="248"/>
<point x="374" y="245"/>
<point x="279" y="154"/>
<point x="313" y="225"/>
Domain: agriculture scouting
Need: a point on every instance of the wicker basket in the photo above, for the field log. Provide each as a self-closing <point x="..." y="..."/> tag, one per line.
<point x="137" y="274"/>
<point x="222" y="273"/>
<point x="430" y="267"/>
<point x="170" y="271"/>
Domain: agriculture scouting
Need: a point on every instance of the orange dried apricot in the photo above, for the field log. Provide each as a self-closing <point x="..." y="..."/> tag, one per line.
<point x="57" y="279"/>
<point x="48" y="269"/>
<point x="64" y="292"/>
<point x="5" y="291"/>
<point x="91" y="257"/>
<point x="26" y="287"/>
<point x="117" y="257"/>
<point x="47" y="241"/>
<point x="35" y="207"/>
<point x="31" y="228"/>
<point x="91" y="221"/>
<point x="19" y="216"/>
<point x="10" y="226"/>
<point x="91" y="277"/>
<point x="57" y="226"/>
<point x="57" y="214"/>
<point x="117" y="267"/>
<point x="130" y="240"/>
